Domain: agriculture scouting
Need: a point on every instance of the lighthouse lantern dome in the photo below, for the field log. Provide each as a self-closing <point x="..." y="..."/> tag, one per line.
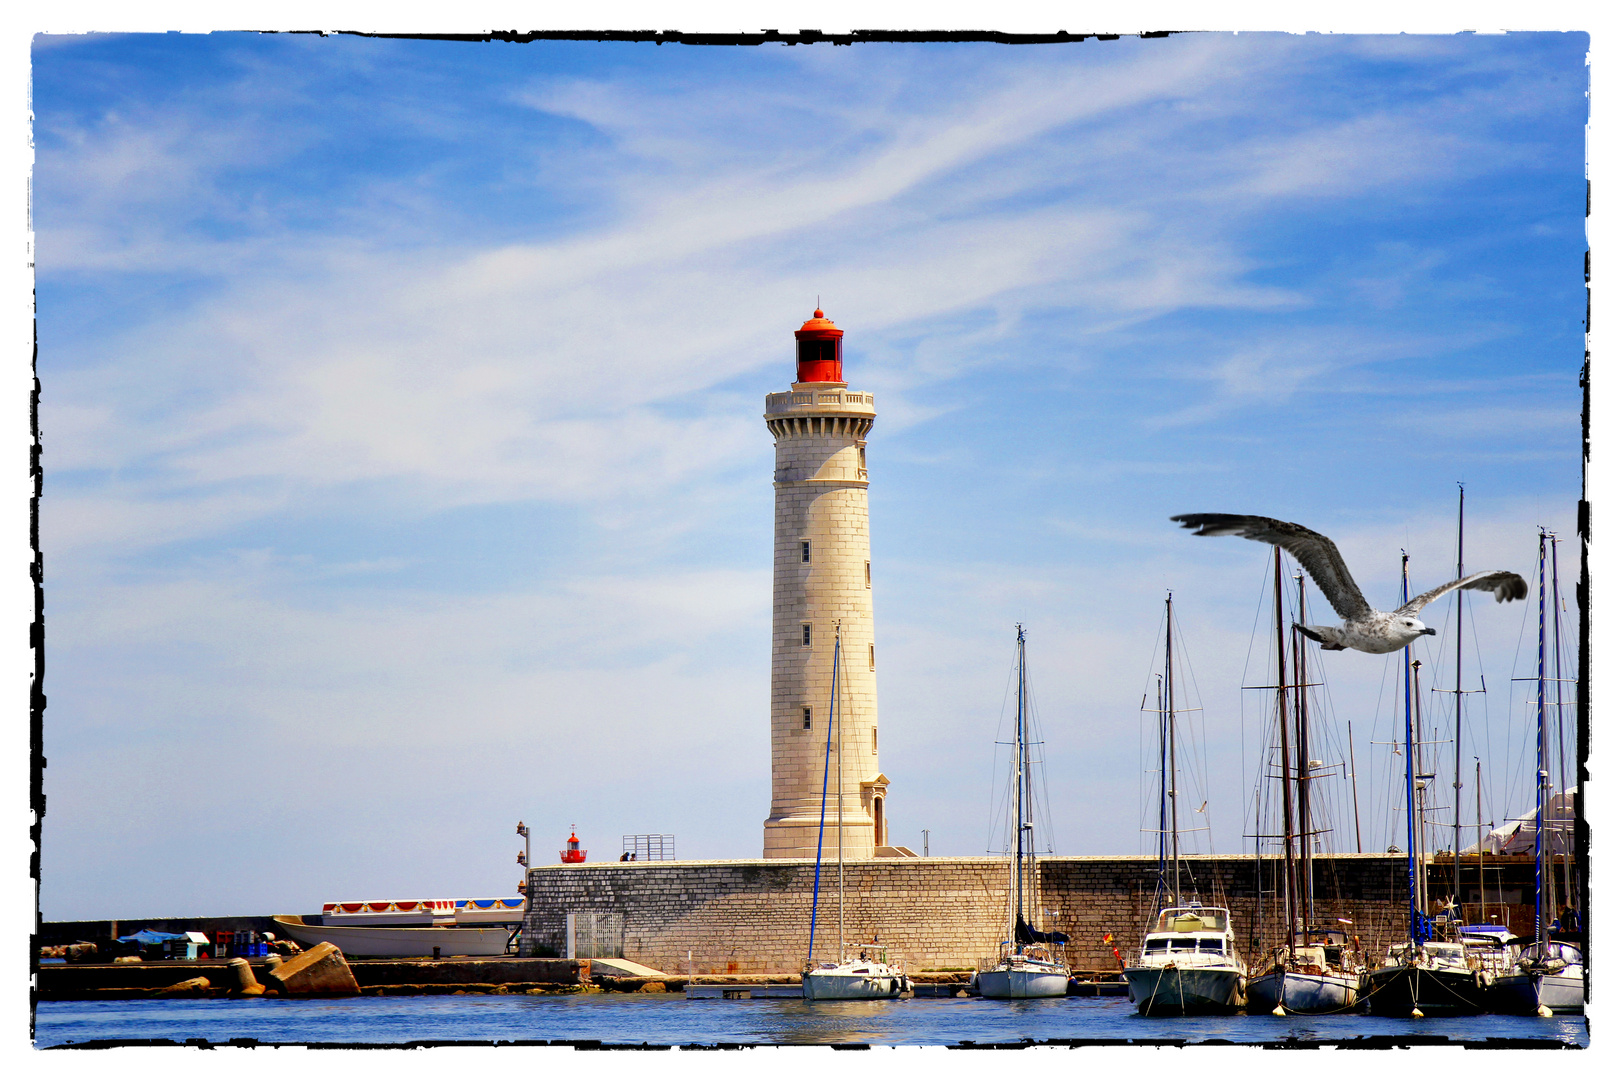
<point x="820" y="350"/>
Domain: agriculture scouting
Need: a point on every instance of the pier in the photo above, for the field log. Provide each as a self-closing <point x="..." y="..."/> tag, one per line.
<point x="751" y="916"/>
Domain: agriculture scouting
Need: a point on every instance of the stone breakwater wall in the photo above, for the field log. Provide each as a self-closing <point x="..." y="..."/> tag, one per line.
<point x="753" y="915"/>
<point x="750" y="916"/>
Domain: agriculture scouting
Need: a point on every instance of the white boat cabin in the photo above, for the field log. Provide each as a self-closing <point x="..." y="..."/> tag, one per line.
<point x="1487" y="947"/>
<point x="1553" y="956"/>
<point x="1437" y="954"/>
<point x="1188" y="932"/>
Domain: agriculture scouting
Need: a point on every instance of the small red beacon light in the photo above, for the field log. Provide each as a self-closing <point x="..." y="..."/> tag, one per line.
<point x="821" y="350"/>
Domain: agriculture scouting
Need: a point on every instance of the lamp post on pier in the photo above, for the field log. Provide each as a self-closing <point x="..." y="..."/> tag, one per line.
<point x="523" y="857"/>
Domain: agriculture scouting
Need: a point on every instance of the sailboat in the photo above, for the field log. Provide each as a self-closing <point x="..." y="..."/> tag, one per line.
<point x="868" y="975"/>
<point x="1027" y="966"/>
<point x="1484" y="943"/>
<point x="1189" y="963"/>
<point x="1421" y="976"/>
<point x="1311" y="972"/>
<point x="1551" y="971"/>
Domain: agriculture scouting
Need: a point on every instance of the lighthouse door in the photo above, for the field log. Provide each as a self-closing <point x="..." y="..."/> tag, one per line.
<point x="877" y="821"/>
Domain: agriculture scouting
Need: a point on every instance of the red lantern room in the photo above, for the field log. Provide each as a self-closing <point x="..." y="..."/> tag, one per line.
<point x="821" y="350"/>
<point x="573" y="854"/>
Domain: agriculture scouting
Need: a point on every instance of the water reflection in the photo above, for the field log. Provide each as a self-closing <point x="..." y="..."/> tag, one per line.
<point x="801" y="1022"/>
<point x="671" y="1020"/>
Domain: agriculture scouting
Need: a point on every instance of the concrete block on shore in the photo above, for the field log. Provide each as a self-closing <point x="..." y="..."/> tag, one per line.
<point x="240" y="979"/>
<point x="321" y="970"/>
<point x="184" y="987"/>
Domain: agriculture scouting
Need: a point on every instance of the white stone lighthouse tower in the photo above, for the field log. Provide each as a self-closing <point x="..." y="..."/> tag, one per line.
<point x="822" y="590"/>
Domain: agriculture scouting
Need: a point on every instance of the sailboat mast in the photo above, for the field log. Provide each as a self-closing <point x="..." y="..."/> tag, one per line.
<point x="1307" y="887"/>
<point x="1170" y="719"/>
<point x="1413" y="929"/>
<point x="1355" y="797"/>
<point x="1479" y="837"/>
<point x="1457" y="699"/>
<point x="1558" y="690"/>
<point x="1290" y="886"/>
<point x="821" y="825"/>
<point x="1541" y="738"/>
<point x="1163" y="810"/>
<point x="1018" y="800"/>
<point x="838" y="712"/>
<point x="1422" y="800"/>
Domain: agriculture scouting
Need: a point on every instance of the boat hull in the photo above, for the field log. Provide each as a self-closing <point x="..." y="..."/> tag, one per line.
<point x="1185" y="991"/>
<point x="1523" y="993"/>
<point x="1008" y="984"/>
<point x="845" y="986"/>
<point x="1396" y="991"/>
<point x="398" y="941"/>
<point x="1301" y="992"/>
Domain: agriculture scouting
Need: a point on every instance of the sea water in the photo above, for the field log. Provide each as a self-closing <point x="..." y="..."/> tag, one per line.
<point x="672" y="1020"/>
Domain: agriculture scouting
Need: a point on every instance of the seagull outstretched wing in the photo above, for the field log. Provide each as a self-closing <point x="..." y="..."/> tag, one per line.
<point x="1504" y="583"/>
<point x="1315" y="552"/>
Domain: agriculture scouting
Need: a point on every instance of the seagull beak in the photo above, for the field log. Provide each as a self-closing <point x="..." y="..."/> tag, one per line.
<point x="1430" y="630"/>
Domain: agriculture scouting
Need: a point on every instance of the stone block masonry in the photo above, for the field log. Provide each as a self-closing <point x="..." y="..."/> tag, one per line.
<point x="753" y="915"/>
<point x="822" y="586"/>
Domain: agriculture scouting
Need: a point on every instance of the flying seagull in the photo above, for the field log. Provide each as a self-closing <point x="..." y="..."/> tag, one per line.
<point x="1365" y="628"/>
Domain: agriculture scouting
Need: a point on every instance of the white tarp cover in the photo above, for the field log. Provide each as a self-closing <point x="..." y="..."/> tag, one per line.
<point x="1518" y="836"/>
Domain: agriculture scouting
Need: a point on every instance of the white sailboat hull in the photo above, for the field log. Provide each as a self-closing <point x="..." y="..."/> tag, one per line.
<point x="398" y="941"/>
<point x="1523" y="992"/>
<point x="1017" y="983"/>
<point x="1301" y="992"/>
<point x="853" y="982"/>
<point x="1185" y="991"/>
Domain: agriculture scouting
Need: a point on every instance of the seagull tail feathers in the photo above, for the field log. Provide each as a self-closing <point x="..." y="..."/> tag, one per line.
<point x="1328" y="636"/>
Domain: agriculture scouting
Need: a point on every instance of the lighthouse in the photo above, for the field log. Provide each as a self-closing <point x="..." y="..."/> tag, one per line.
<point x="822" y="594"/>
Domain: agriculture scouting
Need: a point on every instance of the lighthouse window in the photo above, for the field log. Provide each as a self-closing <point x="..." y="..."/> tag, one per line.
<point x="871" y="660"/>
<point x="806" y="628"/>
<point x="868" y="573"/>
<point x="862" y="451"/>
<point x="807" y="718"/>
<point x="818" y="351"/>
<point x="874" y="740"/>
<point x="804" y="552"/>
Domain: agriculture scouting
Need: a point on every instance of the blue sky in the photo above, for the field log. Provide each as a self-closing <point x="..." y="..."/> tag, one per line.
<point x="405" y="473"/>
